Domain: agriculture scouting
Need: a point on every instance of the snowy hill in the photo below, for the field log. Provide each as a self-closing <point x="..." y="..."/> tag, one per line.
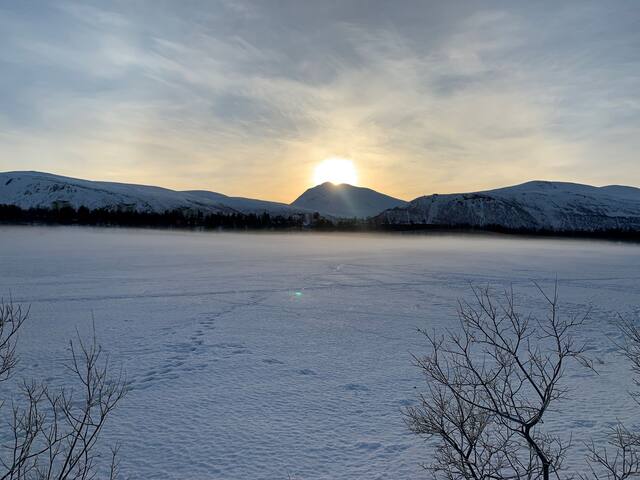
<point x="536" y="205"/>
<point x="345" y="201"/>
<point x="35" y="189"/>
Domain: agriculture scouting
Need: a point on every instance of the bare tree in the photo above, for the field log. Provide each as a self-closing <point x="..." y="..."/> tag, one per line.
<point x="490" y="383"/>
<point x="11" y="319"/>
<point x="53" y="433"/>
<point x="630" y="348"/>
<point x="620" y="458"/>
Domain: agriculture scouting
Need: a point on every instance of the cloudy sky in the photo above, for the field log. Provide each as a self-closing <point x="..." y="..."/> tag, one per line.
<point x="246" y="98"/>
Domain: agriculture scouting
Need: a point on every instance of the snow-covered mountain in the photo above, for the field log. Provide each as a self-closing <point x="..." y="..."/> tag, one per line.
<point x="345" y="201"/>
<point x="536" y="205"/>
<point x="35" y="189"/>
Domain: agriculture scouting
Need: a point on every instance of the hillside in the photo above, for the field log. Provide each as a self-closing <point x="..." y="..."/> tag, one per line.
<point x="45" y="190"/>
<point x="534" y="206"/>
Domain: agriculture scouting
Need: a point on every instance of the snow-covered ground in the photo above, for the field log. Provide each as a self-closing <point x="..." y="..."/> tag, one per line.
<point x="263" y="356"/>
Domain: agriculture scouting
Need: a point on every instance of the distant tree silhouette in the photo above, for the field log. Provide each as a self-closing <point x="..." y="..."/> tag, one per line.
<point x="67" y="215"/>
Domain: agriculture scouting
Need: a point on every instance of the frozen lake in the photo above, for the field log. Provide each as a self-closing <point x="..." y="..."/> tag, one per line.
<point x="258" y="356"/>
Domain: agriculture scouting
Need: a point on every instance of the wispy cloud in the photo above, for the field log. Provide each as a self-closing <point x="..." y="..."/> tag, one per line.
<point x="245" y="98"/>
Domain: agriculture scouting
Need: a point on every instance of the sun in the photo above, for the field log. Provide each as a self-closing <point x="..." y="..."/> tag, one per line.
<point x="336" y="170"/>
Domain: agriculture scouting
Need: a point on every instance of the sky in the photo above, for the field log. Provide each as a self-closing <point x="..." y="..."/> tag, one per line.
<point x="247" y="98"/>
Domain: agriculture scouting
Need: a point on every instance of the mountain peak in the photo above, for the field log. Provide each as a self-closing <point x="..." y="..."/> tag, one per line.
<point x="346" y="201"/>
<point x="334" y="185"/>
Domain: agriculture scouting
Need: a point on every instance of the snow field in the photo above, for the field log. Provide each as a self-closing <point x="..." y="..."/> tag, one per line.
<point x="262" y="356"/>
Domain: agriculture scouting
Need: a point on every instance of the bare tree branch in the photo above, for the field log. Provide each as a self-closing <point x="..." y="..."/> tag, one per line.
<point x="490" y="384"/>
<point x="620" y="458"/>
<point x="53" y="433"/>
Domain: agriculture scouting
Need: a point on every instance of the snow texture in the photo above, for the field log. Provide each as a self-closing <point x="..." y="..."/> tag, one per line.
<point x="263" y="356"/>
<point x="345" y="201"/>
<point x="534" y="205"/>
<point x="35" y="189"/>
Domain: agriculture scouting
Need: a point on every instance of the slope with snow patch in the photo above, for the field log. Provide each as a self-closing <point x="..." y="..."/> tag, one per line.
<point x="45" y="190"/>
<point x="537" y="205"/>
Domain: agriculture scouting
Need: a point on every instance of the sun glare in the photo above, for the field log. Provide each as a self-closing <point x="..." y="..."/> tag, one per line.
<point x="336" y="170"/>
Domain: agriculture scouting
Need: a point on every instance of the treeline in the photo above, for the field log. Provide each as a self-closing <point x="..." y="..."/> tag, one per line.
<point x="67" y="215"/>
<point x="611" y="234"/>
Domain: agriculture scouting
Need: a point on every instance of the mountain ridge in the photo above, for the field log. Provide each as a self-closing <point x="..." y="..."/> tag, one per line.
<point x="534" y="206"/>
<point x="30" y="189"/>
<point x="531" y="206"/>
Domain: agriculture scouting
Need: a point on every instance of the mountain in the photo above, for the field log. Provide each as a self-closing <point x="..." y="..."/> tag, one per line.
<point x="535" y="206"/>
<point x="345" y="201"/>
<point x="36" y="189"/>
<point x="532" y="206"/>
